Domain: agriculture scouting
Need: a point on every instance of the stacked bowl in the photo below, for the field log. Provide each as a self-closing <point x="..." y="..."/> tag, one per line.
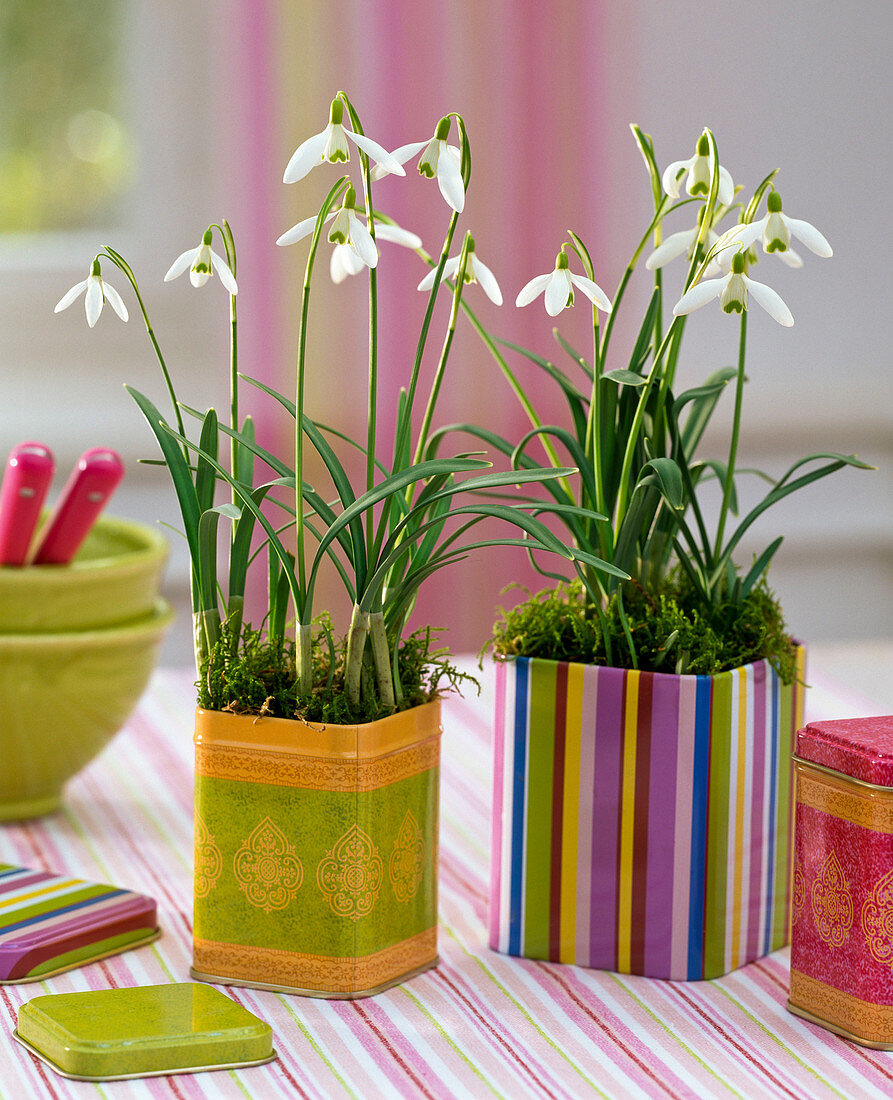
<point x="78" y="643"/>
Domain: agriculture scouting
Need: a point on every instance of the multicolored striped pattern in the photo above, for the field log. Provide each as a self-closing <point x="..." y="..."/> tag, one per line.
<point x="53" y="922"/>
<point x="641" y="821"/>
<point x="482" y="1024"/>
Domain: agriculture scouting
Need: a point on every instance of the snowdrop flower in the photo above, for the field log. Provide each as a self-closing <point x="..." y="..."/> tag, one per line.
<point x="346" y="262"/>
<point x="475" y="272"/>
<point x="97" y="292"/>
<point x="678" y="244"/>
<point x="737" y="239"/>
<point x="440" y="160"/>
<point x="331" y="145"/>
<point x="354" y="246"/>
<point x="733" y="290"/>
<point x="202" y="263"/>
<point x="697" y="169"/>
<point x="558" y="289"/>
<point x="776" y="230"/>
<point x="349" y="230"/>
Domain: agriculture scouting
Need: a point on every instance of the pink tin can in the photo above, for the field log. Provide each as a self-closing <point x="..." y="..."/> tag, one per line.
<point x="842" y="913"/>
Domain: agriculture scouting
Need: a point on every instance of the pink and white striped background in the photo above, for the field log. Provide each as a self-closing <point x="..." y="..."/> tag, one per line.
<point x="480" y="1025"/>
<point x="533" y="91"/>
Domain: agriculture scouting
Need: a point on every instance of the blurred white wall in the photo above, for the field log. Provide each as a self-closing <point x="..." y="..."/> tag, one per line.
<point x="805" y="88"/>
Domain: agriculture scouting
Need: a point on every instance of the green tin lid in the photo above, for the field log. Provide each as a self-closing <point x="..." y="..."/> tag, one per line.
<point x="107" y="1034"/>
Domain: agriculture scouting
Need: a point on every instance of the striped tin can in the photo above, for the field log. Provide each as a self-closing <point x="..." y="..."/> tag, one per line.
<point x="842" y="939"/>
<point x="642" y="821"/>
<point x="316" y="852"/>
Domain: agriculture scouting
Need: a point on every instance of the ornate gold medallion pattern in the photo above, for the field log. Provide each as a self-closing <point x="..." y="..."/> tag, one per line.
<point x="267" y="869"/>
<point x="407" y="862"/>
<point x="799" y="890"/>
<point x="208" y="860"/>
<point x="832" y="903"/>
<point x="351" y="874"/>
<point x="877" y="919"/>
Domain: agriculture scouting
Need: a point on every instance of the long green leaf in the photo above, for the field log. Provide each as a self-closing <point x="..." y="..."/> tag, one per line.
<point x="245" y="453"/>
<point x="335" y="469"/>
<point x="573" y="447"/>
<point x="624" y="377"/>
<point x="784" y="489"/>
<point x="668" y="478"/>
<point x="760" y="566"/>
<point x="205" y="478"/>
<point x="178" y="468"/>
<point x="579" y="360"/>
<point x="245" y="496"/>
<point x="703" y="400"/>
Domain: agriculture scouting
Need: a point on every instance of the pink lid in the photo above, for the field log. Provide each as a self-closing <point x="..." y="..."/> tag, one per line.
<point x="858" y="747"/>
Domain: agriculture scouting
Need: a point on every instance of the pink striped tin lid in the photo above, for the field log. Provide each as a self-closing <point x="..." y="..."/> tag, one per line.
<point x="50" y="922"/>
<point x="861" y="748"/>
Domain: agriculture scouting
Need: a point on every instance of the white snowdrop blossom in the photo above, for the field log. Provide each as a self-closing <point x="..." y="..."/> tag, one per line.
<point x="557" y="288"/>
<point x="475" y="272"/>
<point x="439" y="161"/>
<point x="202" y="262"/>
<point x="683" y="243"/>
<point x="97" y="292"/>
<point x="733" y="291"/>
<point x="354" y="246"/>
<point x="347" y="229"/>
<point x="776" y="230"/>
<point x="346" y="262"/>
<point x="697" y="168"/>
<point x="331" y="144"/>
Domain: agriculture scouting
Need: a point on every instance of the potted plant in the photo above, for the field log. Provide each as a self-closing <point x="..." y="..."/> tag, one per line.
<point x="317" y="756"/>
<point x="642" y="798"/>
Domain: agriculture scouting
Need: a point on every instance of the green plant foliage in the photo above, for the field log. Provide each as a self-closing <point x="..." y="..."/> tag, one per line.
<point x="671" y="629"/>
<point x="256" y="675"/>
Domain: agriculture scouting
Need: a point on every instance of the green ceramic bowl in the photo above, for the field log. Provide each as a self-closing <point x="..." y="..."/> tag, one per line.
<point x="113" y="579"/>
<point x="63" y="696"/>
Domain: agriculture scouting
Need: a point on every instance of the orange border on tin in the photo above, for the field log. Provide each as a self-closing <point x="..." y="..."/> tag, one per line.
<point x="847" y="799"/>
<point x="325" y="742"/>
<point x="290" y="753"/>
<point x="323" y="973"/>
<point x="863" y="1019"/>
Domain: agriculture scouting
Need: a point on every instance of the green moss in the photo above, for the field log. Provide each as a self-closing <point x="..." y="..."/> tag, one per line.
<point x="670" y="631"/>
<point x="256" y="675"/>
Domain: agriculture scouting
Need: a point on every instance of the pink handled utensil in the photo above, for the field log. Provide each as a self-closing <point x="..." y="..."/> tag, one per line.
<point x="26" y="480"/>
<point x="93" y="480"/>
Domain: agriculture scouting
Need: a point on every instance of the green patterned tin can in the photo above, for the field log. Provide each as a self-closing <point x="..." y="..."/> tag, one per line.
<point x="316" y="852"/>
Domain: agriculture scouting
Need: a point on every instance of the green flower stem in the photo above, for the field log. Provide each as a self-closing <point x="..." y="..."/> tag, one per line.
<point x="372" y="391"/>
<point x="405" y="427"/>
<point x="303" y="609"/>
<point x="515" y="385"/>
<point x="659" y="215"/>
<point x="381" y="657"/>
<point x="623" y="488"/>
<point x="230" y="248"/>
<point x="733" y="446"/>
<point x="444" y="353"/>
<point x="304" y="659"/>
<point x="125" y="267"/>
<point x="356" y="644"/>
<point x="465" y="150"/>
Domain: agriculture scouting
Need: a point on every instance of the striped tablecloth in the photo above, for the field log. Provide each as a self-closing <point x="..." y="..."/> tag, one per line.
<point x="481" y="1024"/>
